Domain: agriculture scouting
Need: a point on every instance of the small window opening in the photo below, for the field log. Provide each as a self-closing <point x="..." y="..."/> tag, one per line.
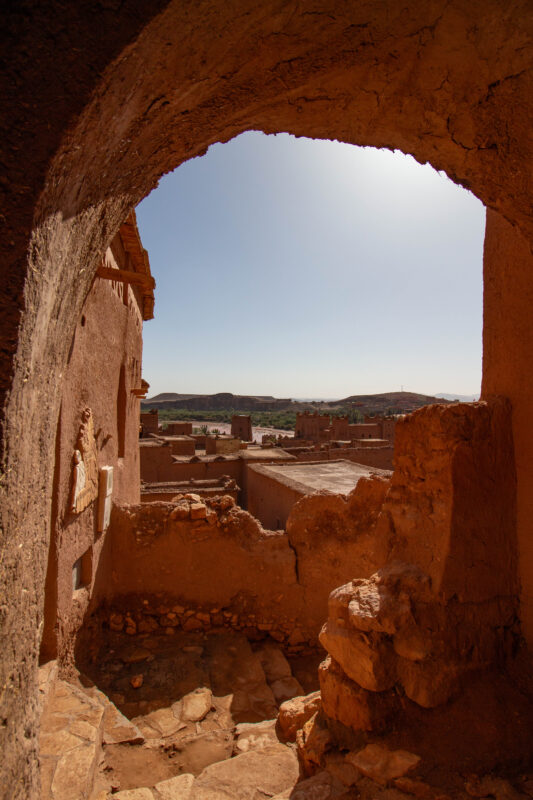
<point x="82" y="570"/>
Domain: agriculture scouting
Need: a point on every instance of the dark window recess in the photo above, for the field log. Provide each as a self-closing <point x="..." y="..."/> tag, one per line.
<point x="82" y="570"/>
<point x="122" y="400"/>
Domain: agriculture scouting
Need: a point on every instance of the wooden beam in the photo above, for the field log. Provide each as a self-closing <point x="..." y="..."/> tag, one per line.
<point x="125" y="276"/>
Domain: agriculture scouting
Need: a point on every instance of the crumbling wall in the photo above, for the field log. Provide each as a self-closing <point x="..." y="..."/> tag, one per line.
<point x="204" y="555"/>
<point x="333" y="536"/>
<point x="451" y="508"/>
<point x="445" y="602"/>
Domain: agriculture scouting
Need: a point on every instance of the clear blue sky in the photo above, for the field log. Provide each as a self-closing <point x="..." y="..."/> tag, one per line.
<point x="305" y="268"/>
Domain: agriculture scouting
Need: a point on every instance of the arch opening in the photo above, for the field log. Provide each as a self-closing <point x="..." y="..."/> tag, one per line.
<point x="437" y="96"/>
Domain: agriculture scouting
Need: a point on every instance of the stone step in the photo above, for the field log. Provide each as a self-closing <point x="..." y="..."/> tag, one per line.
<point x="75" y="723"/>
<point x="70" y="743"/>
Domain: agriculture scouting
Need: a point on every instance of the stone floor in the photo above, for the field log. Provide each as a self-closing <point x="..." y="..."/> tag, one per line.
<point x="173" y="707"/>
<point x="193" y="716"/>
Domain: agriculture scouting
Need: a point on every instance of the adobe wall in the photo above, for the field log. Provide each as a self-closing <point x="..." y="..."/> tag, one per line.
<point x="388" y="429"/>
<point x="339" y="428"/>
<point x="445" y="604"/>
<point x="179" y="428"/>
<point x="241" y="427"/>
<point x="507" y="370"/>
<point x="381" y="457"/>
<point x="447" y="82"/>
<point x="149" y="421"/>
<point x="222" y="445"/>
<point x="453" y="493"/>
<point x="311" y="426"/>
<point x="225" y="560"/>
<point x="204" y="489"/>
<point x="108" y="339"/>
<point x="156" y="461"/>
<point x="158" y="466"/>
<point x="181" y="445"/>
<point x="270" y="500"/>
<point x="364" y="430"/>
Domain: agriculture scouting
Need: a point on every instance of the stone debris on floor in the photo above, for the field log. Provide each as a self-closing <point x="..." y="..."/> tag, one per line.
<point x="209" y="721"/>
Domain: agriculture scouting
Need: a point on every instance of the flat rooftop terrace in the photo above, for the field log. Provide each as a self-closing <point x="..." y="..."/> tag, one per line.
<point x="250" y="454"/>
<point x="338" y="477"/>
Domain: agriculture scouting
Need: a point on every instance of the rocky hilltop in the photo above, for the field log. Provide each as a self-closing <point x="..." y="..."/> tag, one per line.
<point x="389" y="402"/>
<point x="217" y="402"/>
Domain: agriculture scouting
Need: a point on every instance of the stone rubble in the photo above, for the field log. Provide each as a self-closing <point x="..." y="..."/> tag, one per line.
<point x="241" y="761"/>
<point x="195" y="705"/>
<point x="294" y="713"/>
<point x="381" y="764"/>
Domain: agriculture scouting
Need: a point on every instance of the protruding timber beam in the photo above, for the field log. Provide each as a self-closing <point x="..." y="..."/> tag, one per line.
<point x="126" y="276"/>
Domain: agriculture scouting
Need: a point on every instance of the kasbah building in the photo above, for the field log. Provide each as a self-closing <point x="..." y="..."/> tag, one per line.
<point x="373" y="642"/>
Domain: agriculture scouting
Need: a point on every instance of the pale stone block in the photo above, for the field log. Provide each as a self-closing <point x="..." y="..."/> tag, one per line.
<point x="134" y="794"/>
<point x="178" y="788"/>
<point x="196" y="705"/>
<point x="269" y="771"/>
<point x="294" y="713"/>
<point x="74" y="773"/>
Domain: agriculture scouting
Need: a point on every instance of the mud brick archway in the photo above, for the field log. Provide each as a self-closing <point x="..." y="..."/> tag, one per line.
<point x="101" y="99"/>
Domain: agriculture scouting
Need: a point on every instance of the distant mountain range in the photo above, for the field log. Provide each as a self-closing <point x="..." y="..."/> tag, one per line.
<point x="388" y="402"/>
<point x="217" y="402"/>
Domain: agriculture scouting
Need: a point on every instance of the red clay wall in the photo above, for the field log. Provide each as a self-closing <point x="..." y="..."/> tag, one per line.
<point x="451" y="508"/>
<point x="182" y="446"/>
<point x="222" y="445"/>
<point x="149" y="422"/>
<point x="362" y="430"/>
<point x="446" y="603"/>
<point x="227" y="560"/>
<point x="311" y="426"/>
<point x="270" y="500"/>
<point x="241" y="427"/>
<point x="507" y="370"/>
<point x="157" y="465"/>
<point x="108" y="339"/>
<point x="179" y="428"/>
<point x="339" y="428"/>
<point x="381" y="457"/>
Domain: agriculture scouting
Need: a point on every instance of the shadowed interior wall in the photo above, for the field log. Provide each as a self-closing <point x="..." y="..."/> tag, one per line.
<point x="507" y="370"/>
<point x="104" y="363"/>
